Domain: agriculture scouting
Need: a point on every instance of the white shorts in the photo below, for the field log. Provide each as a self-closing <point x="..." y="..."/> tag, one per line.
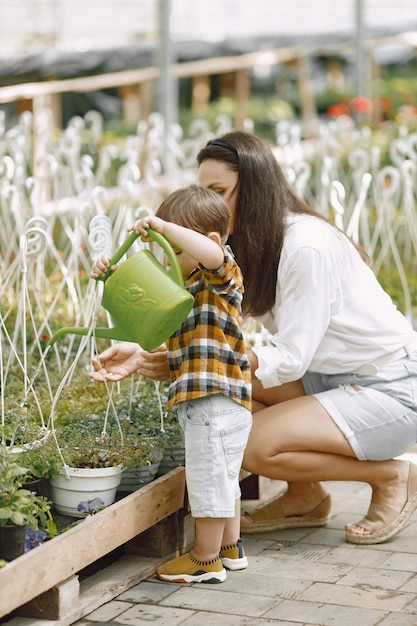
<point x="216" y="431"/>
<point x="379" y="419"/>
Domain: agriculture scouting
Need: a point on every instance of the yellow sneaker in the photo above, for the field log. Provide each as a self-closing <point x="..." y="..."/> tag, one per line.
<point x="233" y="556"/>
<point x="188" y="569"/>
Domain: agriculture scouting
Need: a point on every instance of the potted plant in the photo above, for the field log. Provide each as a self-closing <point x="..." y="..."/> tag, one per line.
<point x="42" y="465"/>
<point x="174" y="453"/>
<point x="141" y="454"/>
<point x="20" y="508"/>
<point x="89" y="467"/>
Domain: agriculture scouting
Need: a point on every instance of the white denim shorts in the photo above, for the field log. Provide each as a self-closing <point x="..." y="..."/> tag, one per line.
<point x="216" y="431"/>
<point x="378" y="413"/>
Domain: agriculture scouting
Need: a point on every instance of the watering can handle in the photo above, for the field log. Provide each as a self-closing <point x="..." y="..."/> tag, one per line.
<point x="174" y="270"/>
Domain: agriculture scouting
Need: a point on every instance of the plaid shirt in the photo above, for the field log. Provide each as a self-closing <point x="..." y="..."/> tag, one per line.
<point x="207" y="353"/>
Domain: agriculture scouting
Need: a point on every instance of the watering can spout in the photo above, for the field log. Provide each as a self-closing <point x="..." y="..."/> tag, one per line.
<point x="147" y="302"/>
<point x="102" y="333"/>
<point x="66" y="331"/>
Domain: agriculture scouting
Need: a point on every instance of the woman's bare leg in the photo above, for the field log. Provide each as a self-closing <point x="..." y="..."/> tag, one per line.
<point x="298" y="438"/>
<point x="300" y="497"/>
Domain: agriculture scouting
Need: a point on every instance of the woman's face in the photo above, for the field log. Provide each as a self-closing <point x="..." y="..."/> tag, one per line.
<point x="217" y="176"/>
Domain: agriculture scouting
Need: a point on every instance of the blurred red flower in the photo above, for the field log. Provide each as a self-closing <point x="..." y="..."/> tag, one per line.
<point x="361" y="104"/>
<point x="338" y="109"/>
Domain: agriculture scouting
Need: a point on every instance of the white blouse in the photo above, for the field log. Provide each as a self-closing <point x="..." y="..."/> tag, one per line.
<point x="330" y="314"/>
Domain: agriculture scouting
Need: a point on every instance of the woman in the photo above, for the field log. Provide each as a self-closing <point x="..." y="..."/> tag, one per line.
<point x="335" y="392"/>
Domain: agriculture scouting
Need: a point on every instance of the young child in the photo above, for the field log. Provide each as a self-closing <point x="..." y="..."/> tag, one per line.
<point x="210" y="379"/>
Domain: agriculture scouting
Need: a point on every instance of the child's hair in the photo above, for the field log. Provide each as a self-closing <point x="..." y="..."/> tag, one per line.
<point x="198" y="208"/>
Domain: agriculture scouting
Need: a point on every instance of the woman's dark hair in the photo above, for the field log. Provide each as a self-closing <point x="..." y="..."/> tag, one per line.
<point x="264" y="197"/>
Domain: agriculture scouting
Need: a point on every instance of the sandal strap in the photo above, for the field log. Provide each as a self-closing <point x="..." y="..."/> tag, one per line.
<point x="378" y="516"/>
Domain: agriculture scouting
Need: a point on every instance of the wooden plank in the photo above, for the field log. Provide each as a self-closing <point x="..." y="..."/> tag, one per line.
<point x="188" y="69"/>
<point x="107" y="584"/>
<point x="99" y="589"/>
<point x="84" y="84"/>
<point x="221" y="65"/>
<point x="44" y="567"/>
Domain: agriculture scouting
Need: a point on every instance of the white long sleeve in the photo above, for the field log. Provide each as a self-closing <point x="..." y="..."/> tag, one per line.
<point x="330" y="314"/>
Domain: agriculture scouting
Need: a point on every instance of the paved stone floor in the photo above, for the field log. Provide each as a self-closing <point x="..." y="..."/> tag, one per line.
<point x="295" y="577"/>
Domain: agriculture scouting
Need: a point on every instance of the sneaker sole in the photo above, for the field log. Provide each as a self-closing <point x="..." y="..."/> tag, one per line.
<point x="207" y="577"/>
<point x="235" y="564"/>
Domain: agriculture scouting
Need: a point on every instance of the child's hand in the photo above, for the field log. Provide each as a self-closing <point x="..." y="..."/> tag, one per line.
<point x="100" y="267"/>
<point x="150" y="221"/>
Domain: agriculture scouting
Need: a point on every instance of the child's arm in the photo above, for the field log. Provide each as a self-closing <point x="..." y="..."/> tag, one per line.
<point x="199" y="247"/>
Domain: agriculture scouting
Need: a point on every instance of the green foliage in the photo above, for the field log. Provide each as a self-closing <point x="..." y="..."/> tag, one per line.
<point x="19" y="505"/>
<point x="265" y="111"/>
<point x="41" y="462"/>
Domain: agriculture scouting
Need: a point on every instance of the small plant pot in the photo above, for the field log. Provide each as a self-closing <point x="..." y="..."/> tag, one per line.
<point x="173" y="457"/>
<point x="12" y="541"/>
<point x="39" y="485"/>
<point x="86" y="489"/>
<point x="136" y="478"/>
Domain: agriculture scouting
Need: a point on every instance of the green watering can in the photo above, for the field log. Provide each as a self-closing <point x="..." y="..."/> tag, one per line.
<point x="147" y="301"/>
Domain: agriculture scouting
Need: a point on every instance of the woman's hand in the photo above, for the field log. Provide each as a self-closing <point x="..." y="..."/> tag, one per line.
<point x="124" y="359"/>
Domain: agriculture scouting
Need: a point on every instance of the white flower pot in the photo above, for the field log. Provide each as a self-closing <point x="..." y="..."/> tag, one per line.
<point x="85" y="489"/>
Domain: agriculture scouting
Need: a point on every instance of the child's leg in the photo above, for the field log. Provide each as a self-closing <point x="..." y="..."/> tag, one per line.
<point x="232" y="527"/>
<point x="203" y="563"/>
<point x="209" y="533"/>
<point x="213" y="532"/>
<point x="216" y="431"/>
<point x="231" y="551"/>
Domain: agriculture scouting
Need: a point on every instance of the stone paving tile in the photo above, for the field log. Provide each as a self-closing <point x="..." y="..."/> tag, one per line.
<point x="355" y="555"/>
<point x="383" y="600"/>
<point x="376" y="578"/>
<point x="305" y="570"/>
<point x="297" y="551"/>
<point x="296" y="577"/>
<point x="261" y="585"/>
<point x="325" y="614"/>
<point x="202" y="618"/>
<point x="255" y="545"/>
<point x="412" y="607"/>
<point x="405" y="562"/>
<point x="148" y="592"/>
<point x="108" y="611"/>
<point x="255" y="563"/>
<point x="144" y="614"/>
<point x="410" y="586"/>
<point x="399" y="619"/>
<point x="324" y="535"/>
<point x="227" y="602"/>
